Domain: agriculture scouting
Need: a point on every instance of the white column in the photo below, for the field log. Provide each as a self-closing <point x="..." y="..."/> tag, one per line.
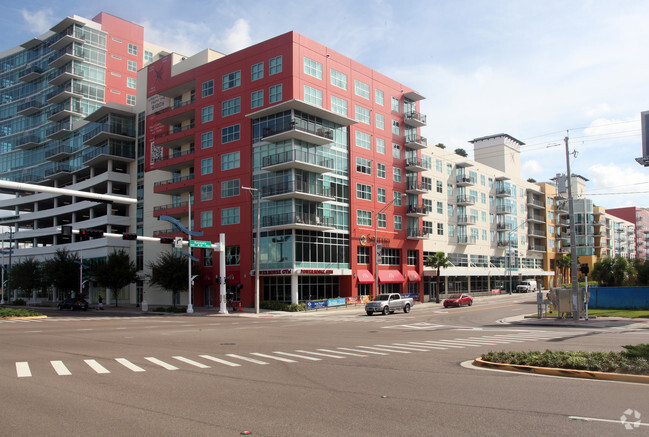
<point x="223" y="307"/>
<point x="294" y="289"/>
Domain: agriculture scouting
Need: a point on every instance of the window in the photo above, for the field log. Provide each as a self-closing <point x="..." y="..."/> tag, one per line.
<point x="338" y="79"/>
<point x="208" y="88"/>
<point x="275" y="65"/>
<point x="363" y="191"/>
<point x="483" y="198"/>
<point x="380" y="121"/>
<point x="231" y="80"/>
<point x="427" y="227"/>
<point x="230" y="134"/>
<point x="363" y="218"/>
<point x="397" y="198"/>
<point x="116" y="57"/>
<point x="482" y="180"/>
<point x="427" y="183"/>
<point x="363" y="165"/>
<point x="230" y="188"/>
<point x="132" y="49"/>
<point x="440" y="207"/>
<point x="450" y="210"/>
<point x="380" y="146"/>
<point x="206" y="166"/>
<point x="363" y="255"/>
<point x="451" y="230"/>
<point x="438" y="165"/>
<point x="363" y="140"/>
<point x="206" y="219"/>
<point x="230" y="107"/>
<point x="208" y="257"/>
<point x="380" y="195"/>
<point x="313" y="95"/>
<point x="130" y="99"/>
<point x="131" y="65"/>
<point x="449" y="169"/>
<point x="379" y="97"/>
<point x="131" y="82"/>
<point x="396" y="174"/>
<point x="230" y="161"/>
<point x="232" y="255"/>
<point x="312" y="68"/>
<point x="396" y="150"/>
<point x="361" y="89"/>
<point x="380" y="170"/>
<point x="230" y="216"/>
<point x="439" y="186"/>
<point x="427" y="204"/>
<point x="395" y="104"/>
<point x="257" y="71"/>
<point x="207" y="140"/>
<point x="398" y="223"/>
<point x="381" y="220"/>
<point x="440" y="228"/>
<point x="396" y="127"/>
<point x="148" y="56"/>
<point x="338" y="105"/>
<point x="449" y="189"/>
<point x="275" y="93"/>
<point x="207" y="114"/>
<point x="362" y="114"/>
<point x="257" y="99"/>
<point x="206" y="192"/>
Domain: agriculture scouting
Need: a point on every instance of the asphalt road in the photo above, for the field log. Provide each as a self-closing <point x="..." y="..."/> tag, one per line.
<point x="326" y="374"/>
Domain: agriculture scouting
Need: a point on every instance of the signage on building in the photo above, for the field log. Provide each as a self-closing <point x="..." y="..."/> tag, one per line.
<point x="276" y="272"/>
<point x="314" y="271"/>
<point x="363" y="240"/>
<point x="157" y="102"/>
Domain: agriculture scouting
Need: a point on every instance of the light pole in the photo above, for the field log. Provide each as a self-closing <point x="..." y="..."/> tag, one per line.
<point x="81" y="267"/>
<point x="508" y="266"/>
<point x="257" y="242"/>
<point x="379" y="247"/>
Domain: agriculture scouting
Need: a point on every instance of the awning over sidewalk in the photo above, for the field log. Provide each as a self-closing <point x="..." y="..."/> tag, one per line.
<point x="390" y="276"/>
<point x="413" y="276"/>
<point x="365" y="277"/>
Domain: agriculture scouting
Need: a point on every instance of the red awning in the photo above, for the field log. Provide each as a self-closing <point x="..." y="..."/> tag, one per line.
<point x="365" y="277"/>
<point x="413" y="276"/>
<point x="390" y="276"/>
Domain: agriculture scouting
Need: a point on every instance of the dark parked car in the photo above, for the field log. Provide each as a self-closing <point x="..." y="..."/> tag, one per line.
<point x="73" y="303"/>
<point x="458" y="300"/>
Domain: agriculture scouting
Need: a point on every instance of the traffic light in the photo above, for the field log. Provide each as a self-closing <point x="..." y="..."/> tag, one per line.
<point x="66" y="231"/>
<point x="129" y="236"/>
<point x="90" y="233"/>
<point x="166" y="240"/>
<point x="584" y="268"/>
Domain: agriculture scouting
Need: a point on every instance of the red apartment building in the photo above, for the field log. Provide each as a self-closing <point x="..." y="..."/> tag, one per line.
<point x="640" y="218"/>
<point x="333" y="148"/>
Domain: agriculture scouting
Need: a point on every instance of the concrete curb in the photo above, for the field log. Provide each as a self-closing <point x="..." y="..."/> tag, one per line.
<point x="572" y="373"/>
<point x="23" y="318"/>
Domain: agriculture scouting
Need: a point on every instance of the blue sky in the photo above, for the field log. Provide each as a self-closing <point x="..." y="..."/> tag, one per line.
<point x="534" y="70"/>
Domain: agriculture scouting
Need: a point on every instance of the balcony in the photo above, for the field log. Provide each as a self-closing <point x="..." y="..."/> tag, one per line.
<point x="177" y="210"/>
<point x="176" y="137"/>
<point x="297" y="190"/>
<point x="465" y="181"/>
<point x="175" y="186"/>
<point x="64" y="92"/>
<point x="414" y="142"/>
<point x="416" y="188"/>
<point x="536" y="233"/>
<point x="535" y="203"/>
<point x="416" y="211"/>
<point x="466" y="220"/>
<point x="32" y="73"/>
<point x="175" y="161"/>
<point x="68" y="54"/>
<point x="414" y="119"/>
<point x="58" y="151"/>
<point x="58" y="170"/>
<point x="289" y="220"/>
<point x="64" y="74"/>
<point x="30" y="107"/>
<point x="109" y="151"/>
<point x="177" y="112"/>
<point x="70" y="35"/>
<point x="301" y="130"/>
<point x="504" y="227"/>
<point x="536" y="218"/>
<point x="465" y="200"/>
<point x="298" y="159"/>
<point x="503" y="192"/>
<point x="64" y="110"/>
<point x="58" y="130"/>
<point x="28" y="141"/>
<point x="415" y="165"/>
<point x="107" y="131"/>
<point x="504" y="210"/>
<point x="465" y="240"/>
<point x="536" y="248"/>
<point x="417" y="234"/>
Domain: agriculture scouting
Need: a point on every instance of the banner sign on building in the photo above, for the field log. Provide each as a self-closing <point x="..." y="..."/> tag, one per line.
<point x="340" y="301"/>
<point x="316" y="304"/>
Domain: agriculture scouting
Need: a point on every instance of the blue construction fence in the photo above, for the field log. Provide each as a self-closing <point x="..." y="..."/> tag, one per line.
<point x="619" y="297"/>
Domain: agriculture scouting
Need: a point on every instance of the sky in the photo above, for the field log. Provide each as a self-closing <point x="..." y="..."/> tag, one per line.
<point x="538" y="71"/>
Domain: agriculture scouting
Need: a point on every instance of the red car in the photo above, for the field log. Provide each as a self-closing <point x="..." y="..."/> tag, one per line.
<point x="458" y="300"/>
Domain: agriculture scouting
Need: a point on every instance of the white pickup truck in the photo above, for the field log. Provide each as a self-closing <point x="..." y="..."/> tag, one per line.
<point x="388" y="303"/>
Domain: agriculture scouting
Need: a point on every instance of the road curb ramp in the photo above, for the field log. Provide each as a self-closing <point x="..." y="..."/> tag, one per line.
<point x="571" y="373"/>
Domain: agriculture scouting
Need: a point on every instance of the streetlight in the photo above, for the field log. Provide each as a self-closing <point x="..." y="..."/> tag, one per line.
<point x="81" y="267"/>
<point x="257" y="241"/>
<point x="378" y="247"/>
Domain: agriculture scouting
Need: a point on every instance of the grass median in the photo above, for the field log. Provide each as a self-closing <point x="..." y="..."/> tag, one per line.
<point x="6" y="313"/>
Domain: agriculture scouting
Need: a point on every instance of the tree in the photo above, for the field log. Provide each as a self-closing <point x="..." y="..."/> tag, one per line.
<point x="614" y="271"/>
<point x="461" y="152"/>
<point x="563" y="264"/>
<point x="169" y="272"/>
<point x="62" y="272"/>
<point x="437" y="261"/>
<point x="27" y="276"/>
<point x="531" y="180"/>
<point x="115" y="273"/>
<point x="440" y="145"/>
<point x="641" y="266"/>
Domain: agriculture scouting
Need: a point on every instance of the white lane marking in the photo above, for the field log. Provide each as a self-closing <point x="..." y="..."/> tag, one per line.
<point x="297" y="356"/>
<point x="60" y="368"/>
<point x="408" y="347"/>
<point x="419" y="344"/>
<point x="284" y="360"/>
<point x="32" y="332"/>
<point x="161" y="363"/>
<point x="85" y="329"/>
<point x="500" y="339"/>
<point x="383" y="349"/>
<point x="251" y="360"/>
<point x="436" y="343"/>
<point x="469" y="341"/>
<point x="459" y="343"/>
<point x="319" y="354"/>
<point x="22" y="369"/>
<point x="94" y="365"/>
<point x="341" y="352"/>
<point x="595" y="419"/>
<point x="126" y="363"/>
<point x="362" y="351"/>
<point x="191" y="362"/>
<point x="218" y="360"/>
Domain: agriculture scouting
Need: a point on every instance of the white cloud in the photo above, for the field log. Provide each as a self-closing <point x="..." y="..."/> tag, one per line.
<point x="612" y="185"/>
<point x="39" y="20"/>
<point x="235" y="38"/>
<point x="532" y="168"/>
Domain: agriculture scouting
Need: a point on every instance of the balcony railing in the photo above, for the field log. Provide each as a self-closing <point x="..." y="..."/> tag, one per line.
<point x="290" y="218"/>
<point x="416" y="209"/>
<point x="175" y="130"/>
<point x="300" y="125"/>
<point x="177" y="105"/>
<point x="466" y="180"/>
<point x="173" y="181"/>
<point x="465" y="239"/>
<point x="415" y="118"/>
<point x="298" y="156"/>
<point x="467" y="219"/>
<point x="467" y="200"/>
<point x="295" y="187"/>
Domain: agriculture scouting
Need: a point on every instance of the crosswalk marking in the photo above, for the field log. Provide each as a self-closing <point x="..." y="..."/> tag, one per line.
<point x="498" y="340"/>
<point x="191" y="362"/>
<point x="22" y="369"/>
<point x="383" y="349"/>
<point x="284" y="360"/>
<point x="365" y="352"/>
<point x="304" y="357"/>
<point x="428" y="346"/>
<point x="408" y="347"/>
<point x="341" y="352"/>
<point x="252" y="360"/>
<point x="319" y="354"/>
<point x="60" y="368"/>
<point x="218" y="360"/>
<point x="436" y="343"/>
<point x="161" y="363"/>
<point x="459" y="342"/>
<point x="94" y="365"/>
<point x="126" y="363"/>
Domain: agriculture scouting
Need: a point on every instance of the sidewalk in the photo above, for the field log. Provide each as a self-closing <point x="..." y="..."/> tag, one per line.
<point x="592" y="322"/>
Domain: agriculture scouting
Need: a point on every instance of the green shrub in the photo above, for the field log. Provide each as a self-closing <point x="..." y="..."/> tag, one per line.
<point x="160" y="310"/>
<point x="177" y="309"/>
<point x="17" y="312"/>
<point x="637" y="351"/>
<point x="19" y="302"/>
<point x="282" y="306"/>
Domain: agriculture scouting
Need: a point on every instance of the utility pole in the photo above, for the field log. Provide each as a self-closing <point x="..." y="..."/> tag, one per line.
<point x="573" y="244"/>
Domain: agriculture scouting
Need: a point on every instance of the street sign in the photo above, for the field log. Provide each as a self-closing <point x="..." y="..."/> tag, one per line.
<point x="178" y="242"/>
<point x="199" y="243"/>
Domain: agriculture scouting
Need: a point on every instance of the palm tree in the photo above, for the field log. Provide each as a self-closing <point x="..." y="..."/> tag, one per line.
<point x="116" y="272"/>
<point x="563" y="264"/>
<point x="170" y="273"/>
<point x="437" y="261"/>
